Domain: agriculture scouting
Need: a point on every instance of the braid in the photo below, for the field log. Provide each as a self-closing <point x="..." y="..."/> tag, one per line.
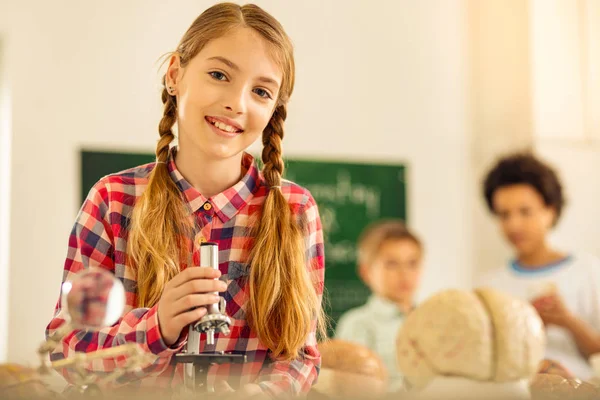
<point x="157" y="244"/>
<point x="282" y="301"/>
<point x="165" y="125"/>
<point x="271" y="154"/>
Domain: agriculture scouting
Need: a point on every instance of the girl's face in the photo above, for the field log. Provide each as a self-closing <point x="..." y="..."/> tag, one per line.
<point x="524" y="217"/>
<point x="226" y="94"/>
<point x="395" y="272"/>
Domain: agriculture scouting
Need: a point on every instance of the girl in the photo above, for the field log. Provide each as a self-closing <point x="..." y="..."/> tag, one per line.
<point x="227" y="83"/>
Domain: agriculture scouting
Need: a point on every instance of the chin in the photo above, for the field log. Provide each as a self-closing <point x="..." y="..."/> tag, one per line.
<point x="223" y="152"/>
<point x="522" y="250"/>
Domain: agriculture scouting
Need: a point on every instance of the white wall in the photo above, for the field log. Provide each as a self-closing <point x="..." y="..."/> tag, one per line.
<point x="5" y="150"/>
<point x="501" y="109"/>
<point x="566" y="105"/>
<point x="578" y="229"/>
<point x="591" y="35"/>
<point x="374" y="82"/>
<point x="557" y="54"/>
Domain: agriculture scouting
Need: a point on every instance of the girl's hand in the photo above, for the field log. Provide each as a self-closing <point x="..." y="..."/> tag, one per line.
<point x="183" y="300"/>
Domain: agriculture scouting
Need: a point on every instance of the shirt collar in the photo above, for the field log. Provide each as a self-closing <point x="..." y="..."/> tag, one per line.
<point x="384" y="306"/>
<point x="227" y="203"/>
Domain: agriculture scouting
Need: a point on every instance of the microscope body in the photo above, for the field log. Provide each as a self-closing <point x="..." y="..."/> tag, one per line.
<point x="215" y="321"/>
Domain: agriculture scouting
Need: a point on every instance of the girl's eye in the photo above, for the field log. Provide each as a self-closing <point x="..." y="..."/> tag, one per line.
<point x="263" y="93"/>
<point x="218" y="75"/>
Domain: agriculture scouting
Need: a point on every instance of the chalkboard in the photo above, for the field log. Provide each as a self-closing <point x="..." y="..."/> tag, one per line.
<point x="349" y="196"/>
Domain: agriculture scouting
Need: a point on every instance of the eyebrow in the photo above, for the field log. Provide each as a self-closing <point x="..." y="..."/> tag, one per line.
<point x="235" y="67"/>
<point x="227" y="62"/>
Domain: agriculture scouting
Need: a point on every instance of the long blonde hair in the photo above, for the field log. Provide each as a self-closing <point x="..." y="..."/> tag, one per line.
<point x="283" y="301"/>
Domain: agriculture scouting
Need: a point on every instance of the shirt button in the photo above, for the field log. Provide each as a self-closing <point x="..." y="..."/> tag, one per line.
<point x="207" y="206"/>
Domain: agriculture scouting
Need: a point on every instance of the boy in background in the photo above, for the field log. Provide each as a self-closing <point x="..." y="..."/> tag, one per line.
<point x="389" y="262"/>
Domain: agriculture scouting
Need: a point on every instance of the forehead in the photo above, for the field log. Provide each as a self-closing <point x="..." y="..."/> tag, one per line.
<point x="398" y="245"/>
<point x="247" y="49"/>
<point x="517" y="195"/>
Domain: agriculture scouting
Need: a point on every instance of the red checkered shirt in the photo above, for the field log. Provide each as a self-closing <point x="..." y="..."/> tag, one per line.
<point x="99" y="239"/>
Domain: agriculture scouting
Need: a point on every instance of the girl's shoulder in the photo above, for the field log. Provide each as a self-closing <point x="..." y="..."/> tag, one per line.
<point x="133" y="176"/>
<point x="300" y="198"/>
<point x="122" y="185"/>
<point x="294" y="192"/>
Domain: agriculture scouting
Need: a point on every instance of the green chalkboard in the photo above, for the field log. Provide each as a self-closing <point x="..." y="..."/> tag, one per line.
<point x="349" y="195"/>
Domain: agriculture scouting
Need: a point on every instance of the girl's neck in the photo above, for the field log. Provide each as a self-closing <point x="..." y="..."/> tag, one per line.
<point x="210" y="176"/>
<point x="540" y="257"/>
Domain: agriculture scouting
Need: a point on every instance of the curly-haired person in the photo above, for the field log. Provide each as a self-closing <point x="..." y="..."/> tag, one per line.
<point x="526" y="196"/>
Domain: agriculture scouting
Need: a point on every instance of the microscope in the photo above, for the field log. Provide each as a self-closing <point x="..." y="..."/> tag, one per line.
<point x="215" y="321"/>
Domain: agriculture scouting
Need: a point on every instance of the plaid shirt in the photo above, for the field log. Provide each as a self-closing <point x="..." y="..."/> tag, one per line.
<point x="99" y="239"/>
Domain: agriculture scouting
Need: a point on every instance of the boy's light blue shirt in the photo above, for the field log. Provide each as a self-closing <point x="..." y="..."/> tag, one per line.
<point x="375" y="325"/>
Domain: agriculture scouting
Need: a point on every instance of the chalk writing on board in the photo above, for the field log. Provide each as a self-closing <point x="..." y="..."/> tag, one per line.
<point x="329" y="218"/>
<point x="344" y="191"/>
<point x="342" y="252"/>
<point x="347" y="294"/>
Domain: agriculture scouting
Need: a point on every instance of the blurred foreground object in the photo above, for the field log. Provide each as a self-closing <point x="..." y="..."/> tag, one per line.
<point x="94" y="299"/>
<point x="594" y="361"/>
<point x="553" y="367"/>
<point x="555" y="387"/>
<point x="350" y="370"/>
<point x="18" y="382"/>
<point x="471" y="345"/>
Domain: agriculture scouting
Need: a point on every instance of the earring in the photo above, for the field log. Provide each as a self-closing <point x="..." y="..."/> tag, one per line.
<point x="171" y="90"/>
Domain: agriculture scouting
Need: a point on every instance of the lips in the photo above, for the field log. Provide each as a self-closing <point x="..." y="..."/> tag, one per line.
<point x="225" y="124"/>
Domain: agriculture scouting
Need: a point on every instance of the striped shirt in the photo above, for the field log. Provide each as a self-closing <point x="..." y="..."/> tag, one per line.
<point x="99" y="239"/>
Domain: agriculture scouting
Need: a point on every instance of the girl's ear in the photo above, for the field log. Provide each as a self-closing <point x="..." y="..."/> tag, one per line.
<point x="173" y="72"/>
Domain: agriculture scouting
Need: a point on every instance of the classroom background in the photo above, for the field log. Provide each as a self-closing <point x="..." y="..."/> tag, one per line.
<point x="438" y="87"/>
